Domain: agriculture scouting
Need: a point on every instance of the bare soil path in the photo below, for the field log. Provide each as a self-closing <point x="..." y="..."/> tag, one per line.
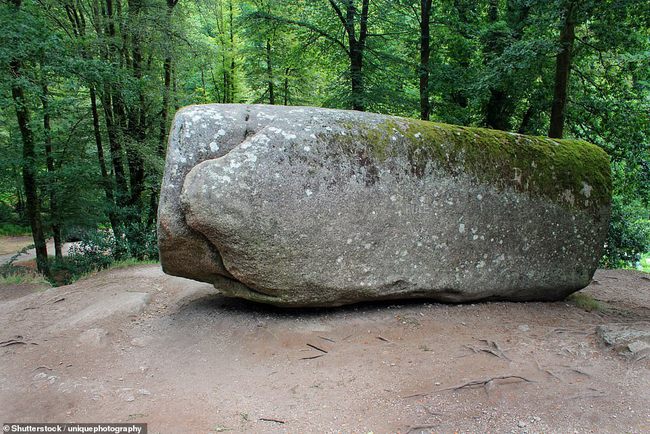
<point x="136" y="345"/>
<point x="9" y="246"/>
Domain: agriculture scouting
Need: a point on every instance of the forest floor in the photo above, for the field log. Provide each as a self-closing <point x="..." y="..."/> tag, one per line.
<point x="136" y="345"/>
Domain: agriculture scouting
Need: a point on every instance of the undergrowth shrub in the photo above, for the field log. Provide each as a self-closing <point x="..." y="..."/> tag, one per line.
<point x="101" y="249"/>
<point x="10" y="222"/>
<point x="11" y="229"/>
<point x="629" y="235"/>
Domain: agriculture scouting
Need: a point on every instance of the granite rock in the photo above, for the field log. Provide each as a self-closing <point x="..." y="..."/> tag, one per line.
<point x="300" y="206"/>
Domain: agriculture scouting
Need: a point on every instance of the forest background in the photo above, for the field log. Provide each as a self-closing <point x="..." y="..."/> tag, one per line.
<point x="88" y="89"/>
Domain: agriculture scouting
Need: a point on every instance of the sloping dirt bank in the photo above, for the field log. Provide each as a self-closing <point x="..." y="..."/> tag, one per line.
<point x="136" y="345"/>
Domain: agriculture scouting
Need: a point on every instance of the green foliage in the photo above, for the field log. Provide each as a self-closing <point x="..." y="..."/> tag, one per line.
<point x="644" y="264"/>
<point x="629" y="234"/>
<point x="95" y="251"/>
<point x="100" y="250"/>
<point x="586" y="302"/>
<point x="140" y="243"/>
<point x="14" y="275"/>
<point x="10" y="222"/>
<point x="10" y="229"/>
<point x="21" y="276"/>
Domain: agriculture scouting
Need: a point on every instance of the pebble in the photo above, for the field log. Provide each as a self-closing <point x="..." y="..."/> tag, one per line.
<point x="523" y="328"/>
<point x="637" y="346"/>
<point x="521" y="424"/>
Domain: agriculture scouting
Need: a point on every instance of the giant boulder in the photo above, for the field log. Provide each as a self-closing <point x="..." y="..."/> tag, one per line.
<point x="299" y="206"/>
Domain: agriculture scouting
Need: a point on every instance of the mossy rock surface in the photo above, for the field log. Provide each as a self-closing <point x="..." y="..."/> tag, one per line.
<point x="299" y="206"/>
<point x="574" y="171"/>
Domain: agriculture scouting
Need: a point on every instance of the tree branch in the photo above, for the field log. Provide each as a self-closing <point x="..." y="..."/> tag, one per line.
<point x="363" y="27"/>
<point x="264" y="16"/>
<point x="337" y="9"/>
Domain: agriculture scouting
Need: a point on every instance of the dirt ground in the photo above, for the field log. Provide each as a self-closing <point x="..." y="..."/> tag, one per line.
<point x="9" y="246"/>
<point x="136" y="345"/>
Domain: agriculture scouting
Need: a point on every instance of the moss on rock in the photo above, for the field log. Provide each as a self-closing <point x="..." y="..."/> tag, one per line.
<point x="574" y="173"/>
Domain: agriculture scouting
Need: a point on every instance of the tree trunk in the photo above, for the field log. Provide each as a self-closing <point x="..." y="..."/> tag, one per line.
<point x="356" y="74"/>
<point x="29" y="162"/>
<point x="226" y="86"/>
<point x="221" y="28"/>
<point x="269" y="72"/>
<point x="357" y="47"/>
<point x="204" y="95"/>
<point x="215" y="88"/>
<point x="496" y="113"/>
<point x="425" y="51"/>
<point x="167" y="81"/>
<point x="49" y="159"/>
<point x="497" y="110"/>
<point x="562" y="71"/>
<point x="164" y="113"/>
<point x="115" y="148"/>
<point x="463" y="57"/>
<point x="137" y="115"/>
<point x="174" y="88"/>
<point x="106" y="180"/>
<point x="493" y="11"/>
<point x="525" y="121"/>
<point x="232" y="52"/>
<point x="113" y="111"/>
<point x="287" y="71"/>
<point x="20" y="205"/>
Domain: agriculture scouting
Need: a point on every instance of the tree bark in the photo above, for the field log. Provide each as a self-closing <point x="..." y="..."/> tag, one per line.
<point x="496" y="115"/>
<point x="137" y="115"/>
<point x="232" y="52"/>
<point x="425" y="51"/>
<point x="49" y="160"/>
<point x="287" y="71"/>
<point x="167" y="81"/>
<point x="269" y="72"/>
<point x="115" y="147"/>
<point x="525" y="121"/>
<point x="463" y="8"/>
<point x="20" y="205"/>
<point x="356" y="47"/>
<point x="221" y="29"/>
<point x="164" y="113"/>
<point x="493" y="11"/>
<point x="356" y="74"/>
<point x="497" y="110"/>
<point x="501" y="104"/>
<point x="562" y="71"/>
<point x="113" y="113"/>
<point x="29" y="162"/>
<point x="106" y="179"/>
